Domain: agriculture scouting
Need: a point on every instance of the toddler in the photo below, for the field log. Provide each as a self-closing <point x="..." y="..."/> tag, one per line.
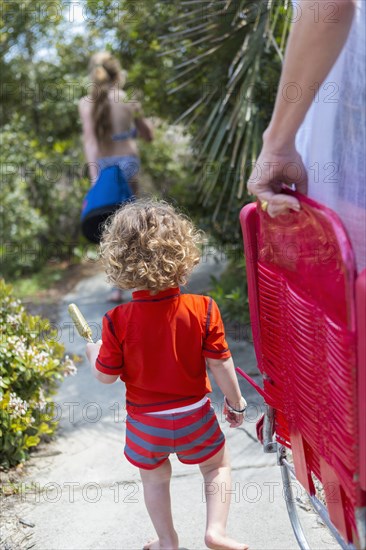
<point x="159" y="344"/>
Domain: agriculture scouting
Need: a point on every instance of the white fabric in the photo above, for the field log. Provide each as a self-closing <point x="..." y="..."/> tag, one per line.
<point x="184" y="409"/>
<point x="332" y="140"/>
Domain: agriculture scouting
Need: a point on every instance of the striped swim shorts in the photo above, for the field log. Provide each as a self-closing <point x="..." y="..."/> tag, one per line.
<point x="193" y="435"/>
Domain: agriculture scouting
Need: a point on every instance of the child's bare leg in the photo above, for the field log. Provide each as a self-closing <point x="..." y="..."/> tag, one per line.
<point x="216" y="473"/>
<point x="156" y="484"/>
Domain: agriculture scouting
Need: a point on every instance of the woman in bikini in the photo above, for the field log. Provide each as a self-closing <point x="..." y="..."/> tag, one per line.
<point x="111" y="121"/>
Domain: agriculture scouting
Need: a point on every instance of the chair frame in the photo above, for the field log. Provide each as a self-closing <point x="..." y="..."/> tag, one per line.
<point x="268" y="438"/>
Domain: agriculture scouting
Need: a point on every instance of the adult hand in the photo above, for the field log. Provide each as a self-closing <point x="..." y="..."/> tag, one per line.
<point x="272" y="169"/>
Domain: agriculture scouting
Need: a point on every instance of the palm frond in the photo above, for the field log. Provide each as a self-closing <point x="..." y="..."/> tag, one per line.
<point x="232" y="50"/>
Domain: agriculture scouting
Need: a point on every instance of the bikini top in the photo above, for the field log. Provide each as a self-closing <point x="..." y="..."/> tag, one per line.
<point x="129" y="134"/>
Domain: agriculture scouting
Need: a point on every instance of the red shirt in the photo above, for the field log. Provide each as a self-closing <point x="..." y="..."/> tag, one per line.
<point x="158" y="344"/>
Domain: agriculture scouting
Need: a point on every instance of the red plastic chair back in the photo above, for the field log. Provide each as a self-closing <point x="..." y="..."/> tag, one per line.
<point x="302" y="295"/>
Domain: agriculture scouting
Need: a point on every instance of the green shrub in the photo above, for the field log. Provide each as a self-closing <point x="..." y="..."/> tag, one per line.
<point x="21" y="228"/>
<point x="31" y="366"/>
<point x="167" y="158"/>
<point x="41" y="192"/>
<point x="230" y="291"/>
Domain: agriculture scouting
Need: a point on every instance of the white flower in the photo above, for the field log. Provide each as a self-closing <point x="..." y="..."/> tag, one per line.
<point x="17" y="406"/>
<point x="41" y="404"/>
<point x="40" y="359"/>
<point x="19" y="345"/>
<point x="13" y="319"/>
<point x="69" y="367"/>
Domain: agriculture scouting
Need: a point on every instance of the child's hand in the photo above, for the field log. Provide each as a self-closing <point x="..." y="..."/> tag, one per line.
<point x="234" y="418"/>
<point x="92" y="350"/>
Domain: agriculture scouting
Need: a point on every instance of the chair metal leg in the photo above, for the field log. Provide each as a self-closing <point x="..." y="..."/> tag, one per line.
<point x="287" y="473"/>
<point x="290" y="501"/>
<point x="323" y="513"/>
<point x="269" y="443"/>
<point x="361" y="526"/>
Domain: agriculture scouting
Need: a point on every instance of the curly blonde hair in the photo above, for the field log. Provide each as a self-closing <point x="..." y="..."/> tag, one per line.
<point x="148" y="244"/>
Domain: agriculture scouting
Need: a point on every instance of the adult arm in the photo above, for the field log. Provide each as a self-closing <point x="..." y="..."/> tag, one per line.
<point x="144" y="126"/>
<point x="313" y="47"/>
<point x="90" y="141"/>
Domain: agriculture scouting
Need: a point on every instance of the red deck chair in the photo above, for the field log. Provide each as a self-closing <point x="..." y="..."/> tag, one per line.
<point x="308" y="316"/>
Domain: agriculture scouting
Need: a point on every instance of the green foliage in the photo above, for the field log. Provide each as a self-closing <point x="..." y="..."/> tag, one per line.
<point x="21" y="226"/>
<point x="31" y="366"/>
<point x="134" y="30"/>
<point x="42" y="164"/>
<point x="32" y="284"/>
<point x="41" y="194"/>
<point x="230" y="292"/>
<point x="166" y="159"/>
<point x="238" y="47"/>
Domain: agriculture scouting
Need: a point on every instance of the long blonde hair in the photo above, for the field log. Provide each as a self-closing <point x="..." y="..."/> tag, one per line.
<point x="105" y="71"/>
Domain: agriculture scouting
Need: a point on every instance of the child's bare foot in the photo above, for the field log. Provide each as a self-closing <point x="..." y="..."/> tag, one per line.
<point x="152" y="545"/>
<point x="219" y="542"/>
<point x="158" y="544"/>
